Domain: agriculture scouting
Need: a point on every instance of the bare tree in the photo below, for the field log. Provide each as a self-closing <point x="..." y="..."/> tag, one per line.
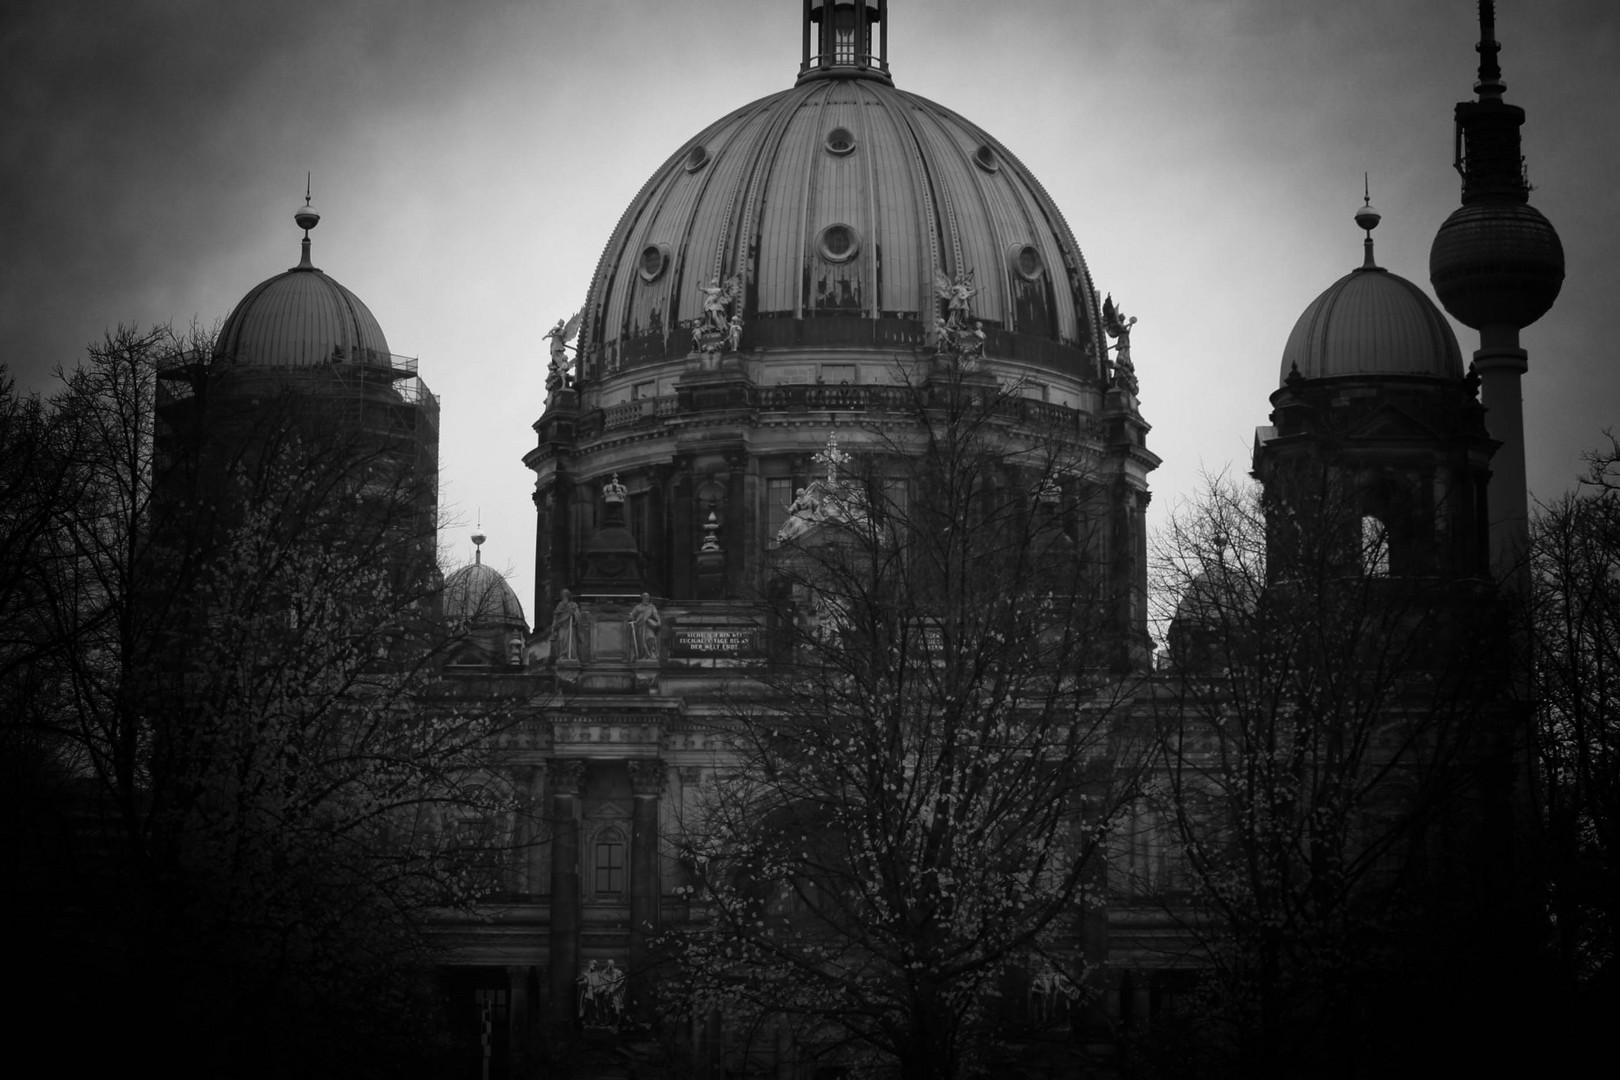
<point x="1319" y="729"/>
<point x="909" y="822"/>
<point x="239" y="600"/>
<point x="1576" y="623"/>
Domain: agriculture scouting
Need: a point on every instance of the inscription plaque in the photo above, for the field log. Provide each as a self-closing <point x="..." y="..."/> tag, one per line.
<point x="710" y="641"/>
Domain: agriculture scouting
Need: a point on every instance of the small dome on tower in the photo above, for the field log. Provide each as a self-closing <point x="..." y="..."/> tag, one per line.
<point x="480" y="597"/>
<point x="300" y="319"/>
<point x="1371" y="322"/>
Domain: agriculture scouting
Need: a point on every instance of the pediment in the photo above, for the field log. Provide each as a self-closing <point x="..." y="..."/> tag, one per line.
<point x="1388" y="423"/>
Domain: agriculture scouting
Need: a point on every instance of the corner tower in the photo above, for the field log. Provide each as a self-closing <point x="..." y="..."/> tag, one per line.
<point x="1377" y="452"/>
<point x="302" y="373"/>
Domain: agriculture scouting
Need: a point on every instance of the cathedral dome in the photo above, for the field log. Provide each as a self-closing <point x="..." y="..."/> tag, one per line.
<point x="300" y="319"/>
<point x="841" y="203"/>
<point x="479" y="597"/>
<point x="1372" y="322"/>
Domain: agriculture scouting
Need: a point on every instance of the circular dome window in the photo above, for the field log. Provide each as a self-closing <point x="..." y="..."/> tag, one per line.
<point x="653" y="261"/>
<point x="838" y="243"/>
<point x="1027" y="261"/>
<point x="840" y="141"/>
<point x="696" y="158"/>
<point x="985" y="158"/>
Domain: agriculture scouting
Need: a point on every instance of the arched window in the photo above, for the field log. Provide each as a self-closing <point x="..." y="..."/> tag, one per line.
<point x="1374" y="547"/>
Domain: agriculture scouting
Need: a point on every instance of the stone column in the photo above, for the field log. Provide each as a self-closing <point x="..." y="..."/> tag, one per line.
<point x="657" y="530"/>
<point x="517" y="1014"/>
<point x="682" y="547"/>
<point x="647" y="781"/>
<point x="527" y="837"/>
<point x="566" y="777"/>
<point x="739" y="520"/>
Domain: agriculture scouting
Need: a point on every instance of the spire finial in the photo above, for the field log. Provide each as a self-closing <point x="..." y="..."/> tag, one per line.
<point x="1490" y="84"/>
<point x="1367" y="218"/>
<point x="478" y="539"/>
<point x="306" y="217"/>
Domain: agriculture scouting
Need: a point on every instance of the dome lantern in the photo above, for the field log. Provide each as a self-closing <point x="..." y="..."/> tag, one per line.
<point x="839" y="40"/>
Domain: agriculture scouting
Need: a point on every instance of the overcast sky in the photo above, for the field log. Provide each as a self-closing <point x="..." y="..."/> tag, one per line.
<point x="471" y="159"/>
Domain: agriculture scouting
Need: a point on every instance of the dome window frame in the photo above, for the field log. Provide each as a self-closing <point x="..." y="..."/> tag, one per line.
<point x="1025" y="260"/>
<point x="645" y="268"/>
<point x="986" y="158"/>
<point x="839" y="242"/>
<point x="840" y="142"/>
<point x="696" y="158"/>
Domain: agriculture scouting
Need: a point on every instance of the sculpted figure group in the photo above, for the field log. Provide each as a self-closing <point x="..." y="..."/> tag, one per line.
<point x="958" y="333"/>
<point x="720" y="326"/>
<point x="601" y="994"/>
<point x="643" y="619"/>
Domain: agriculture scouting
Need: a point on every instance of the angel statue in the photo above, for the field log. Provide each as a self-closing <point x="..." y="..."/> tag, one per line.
<point x="559" y="336"/>
<point x="956" y="295"/>
<point x="1119" y="327"/>
<point x="717" y="297"/>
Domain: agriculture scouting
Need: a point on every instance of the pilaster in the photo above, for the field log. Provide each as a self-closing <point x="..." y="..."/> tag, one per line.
<point x="647" y="784"/>
<point x="567" y="779"/>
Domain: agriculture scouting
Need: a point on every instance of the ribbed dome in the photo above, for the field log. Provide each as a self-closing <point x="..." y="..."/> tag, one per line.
<point x="1372" y="322"/>
<point x="839" y="201"/>
<point x="479" y="596"/>
<point x="299" y="319"/>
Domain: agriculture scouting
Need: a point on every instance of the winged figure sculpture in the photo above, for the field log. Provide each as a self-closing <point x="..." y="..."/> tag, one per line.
<point x="956" y="295"/>
<point x="560" y="335"/>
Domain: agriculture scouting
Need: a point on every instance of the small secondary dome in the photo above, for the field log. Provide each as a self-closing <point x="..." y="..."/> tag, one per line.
<point x="300" y="319"/>
<point x="1371" y="322"/>
<point x="480" y="597"/>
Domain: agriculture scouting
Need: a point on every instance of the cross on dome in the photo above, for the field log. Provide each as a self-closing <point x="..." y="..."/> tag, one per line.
<point x="832" y="457"/>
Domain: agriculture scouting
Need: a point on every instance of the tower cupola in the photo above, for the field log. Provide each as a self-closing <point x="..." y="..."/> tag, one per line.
<point x="845" y="39"/>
